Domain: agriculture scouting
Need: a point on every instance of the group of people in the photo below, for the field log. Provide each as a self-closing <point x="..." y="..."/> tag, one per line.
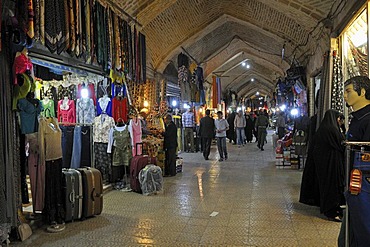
<point x="323" y="180"/>
<point x="243" y="127"/>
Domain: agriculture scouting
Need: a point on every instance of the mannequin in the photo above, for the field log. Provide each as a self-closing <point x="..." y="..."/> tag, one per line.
<point x="119" y="137"/>
<point x="357" y="96"/>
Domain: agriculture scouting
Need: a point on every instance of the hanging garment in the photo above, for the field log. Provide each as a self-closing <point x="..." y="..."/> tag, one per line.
<point x="77" y="146"/>
<point x="120" y="109"/>
<point x="104" y="106"/>
<point x="50" y="138"/>
<point x="120" y="138"/>
<point x="85" y="111"/>
<point x="69" y="92"/>
<point x="66" y="112"/>
<point x="55" y="26"/>
<point x="88" y="24"/>
<point x="36" y="172"/>
<point x="53" y="209"/>
<point x="67" y="145"/>
<point x="29" y="112"/>
<point x="136" y="135"/>
<point x="102" y="125"/>
<point x="22" y="64"/>
<point x="47" y="108"/>
<point x="85" y="146"/>
<point x="103" y="160"/>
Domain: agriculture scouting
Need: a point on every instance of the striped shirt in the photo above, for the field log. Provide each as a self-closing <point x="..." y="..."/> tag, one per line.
<point x="188" y="120"/>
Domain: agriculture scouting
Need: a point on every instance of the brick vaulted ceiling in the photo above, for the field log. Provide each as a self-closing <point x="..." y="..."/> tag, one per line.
<point x="221" y="34"/>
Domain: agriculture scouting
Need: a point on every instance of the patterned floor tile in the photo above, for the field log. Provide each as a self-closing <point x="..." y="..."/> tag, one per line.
<point x="257" y="205"/>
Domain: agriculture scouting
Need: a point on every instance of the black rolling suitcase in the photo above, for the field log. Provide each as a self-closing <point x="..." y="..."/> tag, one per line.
<point x="72" y="188"/>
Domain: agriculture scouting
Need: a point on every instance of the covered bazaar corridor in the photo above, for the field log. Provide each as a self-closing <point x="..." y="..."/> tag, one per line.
<point x="257" y="205"/>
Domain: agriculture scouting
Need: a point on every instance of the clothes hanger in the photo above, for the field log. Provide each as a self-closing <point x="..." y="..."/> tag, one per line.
<point x="120" y="122"/>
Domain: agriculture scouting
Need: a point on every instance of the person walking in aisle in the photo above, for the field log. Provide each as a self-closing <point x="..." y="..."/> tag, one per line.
<point x="207" y="133"/>
<point x="221" y="127"/>
<point x="357" y="96"/>
<point x="170" y="145"/>
<point x="261" y="125"/>
<point x="248" y="128"/>
<point x="188" y="123"/>
<point x="239" y="125"/>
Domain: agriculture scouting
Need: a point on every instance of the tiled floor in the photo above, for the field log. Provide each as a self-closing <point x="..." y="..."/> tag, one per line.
<point x="257" y="205"/>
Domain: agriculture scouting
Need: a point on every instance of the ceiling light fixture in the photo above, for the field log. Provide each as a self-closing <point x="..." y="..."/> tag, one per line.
<point x="248" y="66"/>
<point x="243" y="63"/>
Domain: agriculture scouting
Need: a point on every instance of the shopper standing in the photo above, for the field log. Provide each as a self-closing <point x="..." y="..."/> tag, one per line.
<point x="239" y="125"/>
<point x="280" y="124"/>
<point x="261" y="125"/>
<point x="248" y="128"/>
<point x="357" y="96"/>
<point x="170" y="145"/>
<point x="221" y="127"/>
<point x="230" y="133"/>
<point x="188" y="123"/>
<point x="329" y="165"/>
<point x="207" y="133"/>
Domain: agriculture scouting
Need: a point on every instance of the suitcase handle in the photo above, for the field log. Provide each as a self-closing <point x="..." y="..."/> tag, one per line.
<point x="93" y="194"/>
<point x="72" y="197"/>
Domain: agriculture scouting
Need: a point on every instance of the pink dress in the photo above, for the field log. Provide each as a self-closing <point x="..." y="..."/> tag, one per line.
<point x="136" y="135"/>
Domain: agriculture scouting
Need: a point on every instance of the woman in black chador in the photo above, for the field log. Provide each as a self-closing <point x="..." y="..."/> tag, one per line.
<point x="329" y="163"/>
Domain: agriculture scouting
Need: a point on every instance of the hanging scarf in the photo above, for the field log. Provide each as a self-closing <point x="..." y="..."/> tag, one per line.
<point x="31" y="31"/>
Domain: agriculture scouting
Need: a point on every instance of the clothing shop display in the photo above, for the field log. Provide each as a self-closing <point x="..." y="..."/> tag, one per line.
<point x="85" y="111"/>
<point x="136" y="136"/>
<point x="104" y="105"/>
<point x="66" y="111"/>
<point x="50" y="145"/>
<point x="22" y="64"/>
<point x="67" y="144"/>
<point x="48" y="109"/>
<point x="120" y="138"/>
<point x="120" y="108"/>
<point x="29" y="111"/>
<point x="86" y="147"/>
<point x="77" y="146"/>
<point x="36" y="172"/>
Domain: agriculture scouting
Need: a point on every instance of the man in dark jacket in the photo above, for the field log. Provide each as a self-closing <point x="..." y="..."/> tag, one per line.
<point x="207" y="132"/>
<point x="261" y="125"/>
<point x="170" y="145"/>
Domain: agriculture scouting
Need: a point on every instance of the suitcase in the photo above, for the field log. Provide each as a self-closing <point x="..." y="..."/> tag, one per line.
<point x="92" y="183"/>
<point x="72" y="190"/>
<point x="137" y="163"/>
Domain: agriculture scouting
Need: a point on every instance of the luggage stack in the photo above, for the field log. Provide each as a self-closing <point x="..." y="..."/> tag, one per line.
<point x="83" y="193"/>
<point x="137" y="164"/>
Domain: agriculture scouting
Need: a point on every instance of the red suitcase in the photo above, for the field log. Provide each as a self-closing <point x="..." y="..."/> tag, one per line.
<point x="137" y="163"/>
<point x="92" y="183"/>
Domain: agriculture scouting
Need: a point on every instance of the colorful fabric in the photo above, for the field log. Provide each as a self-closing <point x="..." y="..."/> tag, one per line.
<point x="22" y="64"/>
<point x="104" y="106"/>
<point x="85" y="111"/>
<point x="102" y="126"/>
<point x="29" y="112"/>
<point x="66" y="111"/>
<point x="120" y="109"/>
<point x="48" y="108"/>
<point x="136" y="135"/>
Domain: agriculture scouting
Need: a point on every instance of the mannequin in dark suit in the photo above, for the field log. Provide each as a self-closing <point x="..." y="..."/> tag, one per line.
<point x="170" y="145"/>
<point x="207" y="132"/>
